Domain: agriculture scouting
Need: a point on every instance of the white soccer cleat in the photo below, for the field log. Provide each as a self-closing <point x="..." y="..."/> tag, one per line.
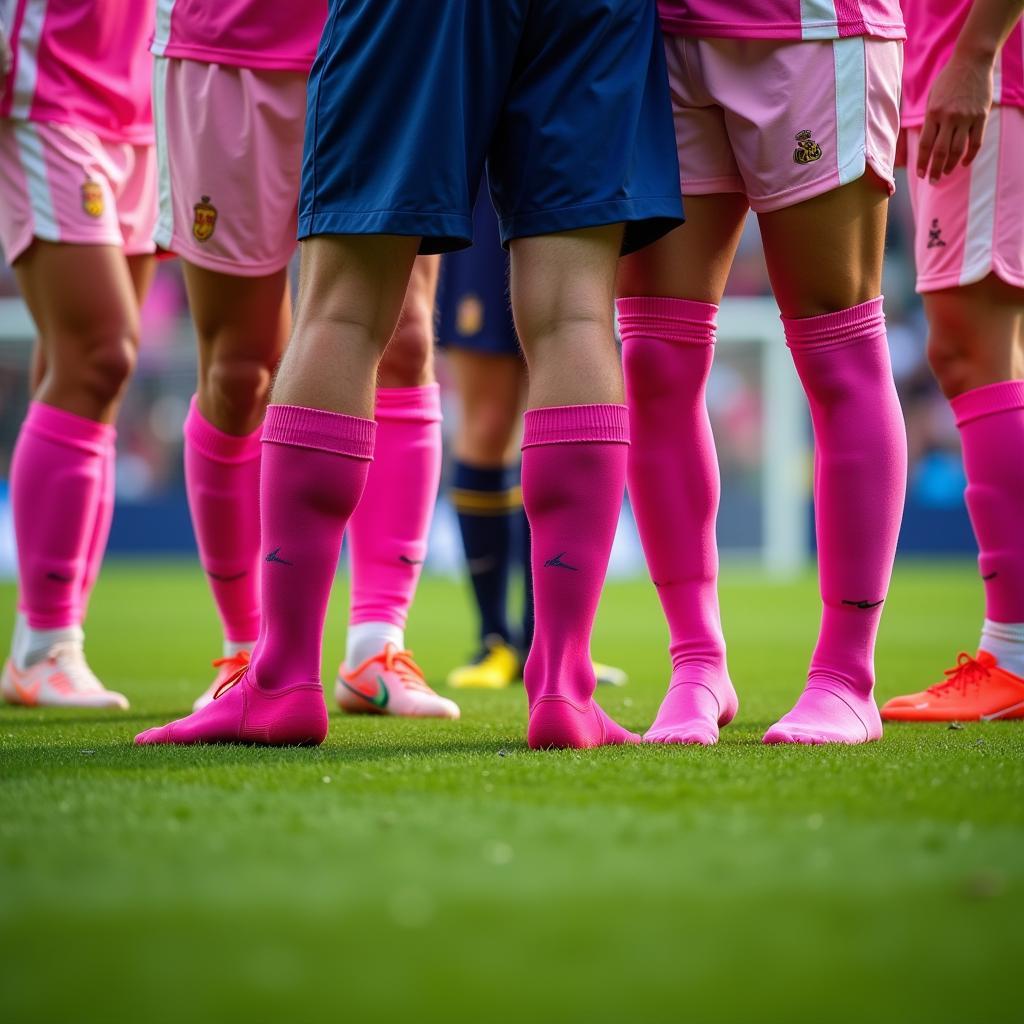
<point x="227" y="668"/>
<point x="390" y="683"/>
<point x="62" y="679"/>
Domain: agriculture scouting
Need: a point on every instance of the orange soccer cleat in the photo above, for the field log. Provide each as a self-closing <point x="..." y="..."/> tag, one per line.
<point x="975" y="689"/>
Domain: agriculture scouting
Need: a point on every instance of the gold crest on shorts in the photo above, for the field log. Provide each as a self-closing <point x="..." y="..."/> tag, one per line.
<point x="92" y="197"/>
<point x="807" y="150"/>
<point x="469" y="317"/>
<point x="205" y="220"/>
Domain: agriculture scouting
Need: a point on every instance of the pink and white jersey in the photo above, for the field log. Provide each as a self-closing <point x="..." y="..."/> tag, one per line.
<point x="83" y="63"/>
<point x="264" y="35"/>
<point x="782" y="19"/>
<point x="932" y="30"/>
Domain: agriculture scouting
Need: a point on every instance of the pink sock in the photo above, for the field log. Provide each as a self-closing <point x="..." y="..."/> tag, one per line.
<point x="313" y="473"/>
<point x="56" y="485"/>
<point x="388" y="531"/>
<point x="101" y="526"/>
<point x="860" y="474"/>
<point x="991" y="422"/>
<point x="222" y="478"/>
<point x="574" y="474"/>
<point x="674" y="488"/>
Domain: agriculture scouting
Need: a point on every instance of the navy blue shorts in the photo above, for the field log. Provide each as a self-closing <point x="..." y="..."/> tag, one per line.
<point x="566" y="101"/>
<point x="472" y="294"/>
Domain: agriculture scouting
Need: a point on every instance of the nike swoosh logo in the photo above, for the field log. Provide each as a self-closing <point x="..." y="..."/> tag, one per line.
<point x="864" y="605"/>
<point x="56" y="576"/>
<point x="557" y="563"/>
<point x="377" y="695"/>
<point x="27" y="694"/>
<point x="228" y="579"/>
<point x="273" y="557"/>
<point x="410" y="561"/>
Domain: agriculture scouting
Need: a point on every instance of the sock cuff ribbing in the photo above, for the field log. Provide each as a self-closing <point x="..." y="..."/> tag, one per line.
<point x="682" y="321"/>
<point x="572" y="424"/>
<point x="212" y="442"/>
<point x="421" y="404"/>
<point x="69" y="429"/>
<point x="1005" y="396"/>
<point x="326" y="431"/>
<point x="833" y="330"/>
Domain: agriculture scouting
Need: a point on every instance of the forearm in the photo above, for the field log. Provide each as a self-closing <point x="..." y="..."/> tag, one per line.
<point x="988" y="25"/>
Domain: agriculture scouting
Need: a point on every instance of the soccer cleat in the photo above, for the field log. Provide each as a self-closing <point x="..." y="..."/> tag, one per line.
<point x="496" y="666"/>
<point x="390" y="683"/>
<point x="62" y="679"/>
<point x="609" y="675"/>
<point x="242" y="712"/>
<point x="226" y="668"/>
<point x="976" y="689"/>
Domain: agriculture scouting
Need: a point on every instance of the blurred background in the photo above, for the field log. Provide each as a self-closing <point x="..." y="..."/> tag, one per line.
<point x="756" y="408"/>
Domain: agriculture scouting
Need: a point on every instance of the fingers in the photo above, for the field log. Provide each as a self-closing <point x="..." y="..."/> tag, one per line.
<point x="940" y="151"/>
<point x="974" y="140"/>
<point x="924" y="150"/>
<point x="957" y="148"/>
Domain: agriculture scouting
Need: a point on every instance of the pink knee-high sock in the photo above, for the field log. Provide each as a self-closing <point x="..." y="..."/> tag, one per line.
<point x="674" y="488"/>
<point x="860" y="473"/>
<point x="222" y="480"/>
<point x="991" y="422"/>
<point x="574" y="475"/>
<point x="388" y="531"/>
<point x="312" y="476"/>
<point x="101" y="527"/>
<point x="56" y="485"/>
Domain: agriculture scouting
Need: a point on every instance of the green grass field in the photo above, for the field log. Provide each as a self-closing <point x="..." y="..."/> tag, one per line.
<point x="422" y="871"/>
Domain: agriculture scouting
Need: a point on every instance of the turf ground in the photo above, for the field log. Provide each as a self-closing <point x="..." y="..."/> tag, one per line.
<point x="425" y="871"/>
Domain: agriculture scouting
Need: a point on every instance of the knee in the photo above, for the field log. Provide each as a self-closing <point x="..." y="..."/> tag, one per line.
<point x="408" y="361"/>
<point x="236" y="390"/>
<point x="485" y="434"/>
<point x="954" y="355"/>
<point x="108" y="361"/>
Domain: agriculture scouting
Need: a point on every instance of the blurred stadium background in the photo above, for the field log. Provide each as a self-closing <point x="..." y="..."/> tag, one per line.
<point x="756" y="404"/>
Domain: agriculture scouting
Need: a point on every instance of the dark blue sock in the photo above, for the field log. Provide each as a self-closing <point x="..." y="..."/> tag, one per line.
<point x="487" y="502"/>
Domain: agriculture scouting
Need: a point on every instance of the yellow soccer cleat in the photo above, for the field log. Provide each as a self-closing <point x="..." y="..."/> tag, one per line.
<point x="497" y="666"/>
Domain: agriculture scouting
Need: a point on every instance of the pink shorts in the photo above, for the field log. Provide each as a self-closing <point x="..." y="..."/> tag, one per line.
<point x="971" y="223"/>
<point x="783" y="121"/>
<point x="64" y="184"/>
<point x="229" y="142"/>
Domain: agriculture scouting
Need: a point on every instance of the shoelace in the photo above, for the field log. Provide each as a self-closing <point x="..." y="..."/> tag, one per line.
<point x="966" y="672"/>
<point x="403" y="665"/>
<point x="70" y="659"/>
<point x="241" y="659"/>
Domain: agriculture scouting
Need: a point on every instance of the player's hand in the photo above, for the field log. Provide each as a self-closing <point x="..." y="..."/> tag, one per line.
<point x="954" y="123"/>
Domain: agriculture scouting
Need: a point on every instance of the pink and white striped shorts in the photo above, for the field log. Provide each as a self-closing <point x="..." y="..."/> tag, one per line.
<point x="971" y="222"/>
<point x="66" y="184"/>
<point x="783" y="121"/>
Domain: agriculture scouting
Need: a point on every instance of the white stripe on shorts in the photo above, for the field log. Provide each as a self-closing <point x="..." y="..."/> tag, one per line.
<point x="163" y="233"/>
<point x="851" y="107"/>
<point x="33" y="162"/>
<point x="812" y="14"/>
<point x="981" y="205"/>
<point x="162" y="32"/>
<point x="24" y="89"/>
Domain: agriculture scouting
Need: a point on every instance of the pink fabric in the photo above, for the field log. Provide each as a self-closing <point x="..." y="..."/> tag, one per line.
<point x="56" y="483"/>
<point x="762" y="117"/>
<point x="222" y="479"/>
<point x="932" y="30"/>
<point x="313" y="473"/>
<point x="105" y="500"/>
<point x="264" y="34"/>
<point x="87" y="66"/>
<point x="66" y="184"/>
<point x="860" y="473"/>
<point x="574" y="474"/>
<point x="231" y="148"/>
<point x="782" y="19"/>
<point x="388" y="531"/>
<point x="991" y="422"/>
<point x="674" y="488"/>
<point x="970" y="223"/>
